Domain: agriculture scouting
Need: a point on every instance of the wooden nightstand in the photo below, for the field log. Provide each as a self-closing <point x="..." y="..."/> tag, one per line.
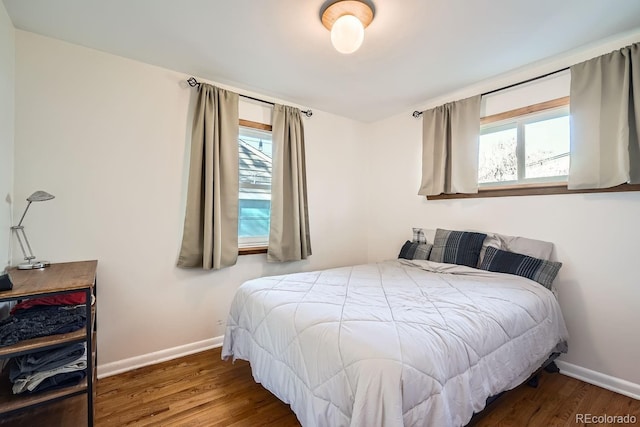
<point x="70" y="406"/>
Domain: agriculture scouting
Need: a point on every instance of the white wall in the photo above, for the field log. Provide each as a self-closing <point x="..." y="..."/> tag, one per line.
<point x="109" y="137"/>
<point x="595" y="235"/>
<point x="7" y="65"/>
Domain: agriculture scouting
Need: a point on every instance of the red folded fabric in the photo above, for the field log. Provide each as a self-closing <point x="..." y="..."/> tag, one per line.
<point x="66" y="299"/>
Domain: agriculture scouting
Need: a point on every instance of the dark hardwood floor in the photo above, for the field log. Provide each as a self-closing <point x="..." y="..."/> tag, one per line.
<point x="202" y="390"/>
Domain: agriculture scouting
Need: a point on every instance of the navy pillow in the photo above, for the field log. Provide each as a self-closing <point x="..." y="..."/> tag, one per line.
<point x="457" y="247"/>
<point x="536" y="269"/>
<point x="415" y="250"/>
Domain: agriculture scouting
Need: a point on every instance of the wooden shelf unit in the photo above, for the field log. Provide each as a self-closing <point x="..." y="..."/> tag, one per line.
<point x="71" y="405"/>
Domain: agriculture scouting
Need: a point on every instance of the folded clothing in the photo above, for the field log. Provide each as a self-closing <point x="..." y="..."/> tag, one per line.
<point x="41" y="321"/>
<point x="61" y="380"/>
<point x="53" y="378"/>
<point x="46" y="360"/>
<point x="74" y="298"/>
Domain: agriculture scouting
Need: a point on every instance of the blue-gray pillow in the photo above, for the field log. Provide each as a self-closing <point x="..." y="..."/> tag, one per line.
<point x="540" y="270"/>
<point x="457" y="247"/>
<point x="415" y="250"/>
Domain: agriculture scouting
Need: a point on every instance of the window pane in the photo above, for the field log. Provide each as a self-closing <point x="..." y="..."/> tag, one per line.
<point x="254" y="218"/>
<point x="547" y="148"/>
<point x="497" y="160"/>
<point x="254" y="207"/>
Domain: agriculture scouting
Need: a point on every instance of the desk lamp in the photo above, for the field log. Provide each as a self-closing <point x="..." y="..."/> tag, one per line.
<point x="38" y="196"/>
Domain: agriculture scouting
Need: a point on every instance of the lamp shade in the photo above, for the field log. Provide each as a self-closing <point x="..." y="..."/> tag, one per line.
<point x="347" y="34"/>
<point x="40" y="196"/>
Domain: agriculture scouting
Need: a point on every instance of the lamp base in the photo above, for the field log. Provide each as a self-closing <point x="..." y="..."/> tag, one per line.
<point x="36" y="265"/>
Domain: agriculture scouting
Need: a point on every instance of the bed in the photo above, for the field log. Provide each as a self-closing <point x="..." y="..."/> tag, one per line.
<point x="395" y="343"/>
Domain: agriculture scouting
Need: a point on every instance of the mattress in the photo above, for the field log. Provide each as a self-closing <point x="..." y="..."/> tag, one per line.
<point x="396" y="343"/>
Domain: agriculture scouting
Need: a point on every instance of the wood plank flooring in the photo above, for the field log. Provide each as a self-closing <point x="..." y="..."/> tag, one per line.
<point x="202" y="390"/>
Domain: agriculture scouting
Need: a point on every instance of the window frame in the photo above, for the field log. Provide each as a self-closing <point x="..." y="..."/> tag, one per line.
<point x="533" y="189"/>
<point x="540" y="112"/>
<point x="257" y="248"/>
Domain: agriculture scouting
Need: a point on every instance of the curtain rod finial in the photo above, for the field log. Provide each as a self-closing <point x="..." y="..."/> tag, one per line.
<point x="416" y="114"/>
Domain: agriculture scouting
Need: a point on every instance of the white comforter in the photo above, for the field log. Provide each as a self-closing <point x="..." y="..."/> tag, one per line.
<point x="412" y="343"/>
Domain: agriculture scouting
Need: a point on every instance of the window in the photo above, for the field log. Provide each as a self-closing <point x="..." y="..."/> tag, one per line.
<point x="530" y="148"/>
<point x="254" y="208"/>
<point x="524" y="150"/>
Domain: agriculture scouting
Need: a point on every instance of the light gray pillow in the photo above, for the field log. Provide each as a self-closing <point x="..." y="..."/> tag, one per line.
<point x="521" y="245"/>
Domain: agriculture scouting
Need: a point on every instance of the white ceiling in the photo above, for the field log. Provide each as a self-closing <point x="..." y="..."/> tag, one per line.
<point x="414" y="50"/>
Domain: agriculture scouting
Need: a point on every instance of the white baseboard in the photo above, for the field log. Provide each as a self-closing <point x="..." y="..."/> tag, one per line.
<point x="136" y="362"/>
<point x="601" y="380"/>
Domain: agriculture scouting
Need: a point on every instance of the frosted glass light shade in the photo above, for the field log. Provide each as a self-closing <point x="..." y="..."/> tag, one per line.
<point x="347" y="34"/>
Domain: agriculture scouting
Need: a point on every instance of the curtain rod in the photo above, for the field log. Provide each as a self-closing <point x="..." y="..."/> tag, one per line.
<point x="193" y="83"/>
<point x="417" y="113"/>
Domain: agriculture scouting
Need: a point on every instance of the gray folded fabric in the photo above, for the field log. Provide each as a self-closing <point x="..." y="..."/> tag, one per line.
<point x="31" y="382"/>
<point x="65" y="379"/>
<point x="45" y="360"/>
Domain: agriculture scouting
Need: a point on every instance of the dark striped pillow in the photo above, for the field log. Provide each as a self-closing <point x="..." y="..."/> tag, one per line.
<point x="415" y="250"/>
<point x="457" y="247"/>
<point x="540" y="270"/>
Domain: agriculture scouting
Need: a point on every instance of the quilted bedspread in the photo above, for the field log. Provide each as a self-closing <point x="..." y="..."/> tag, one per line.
<point x="412" y="343"/>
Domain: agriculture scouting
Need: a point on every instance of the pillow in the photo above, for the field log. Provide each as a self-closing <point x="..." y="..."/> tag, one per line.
<point x="522" y="245"/>
<point x="415" y="250"/>
<point x="418" y="236"/>
<point x="540" y="270"/>
<point x="457" y="247"/>
<point x="423" y="235"/>
<point x="490" y="240"/>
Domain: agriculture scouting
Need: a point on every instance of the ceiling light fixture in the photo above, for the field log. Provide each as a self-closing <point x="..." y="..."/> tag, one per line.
<point x="347" y="19"/>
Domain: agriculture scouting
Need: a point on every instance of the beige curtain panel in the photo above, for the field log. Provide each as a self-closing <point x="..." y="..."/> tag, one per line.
<point x="210" y="236"/>
<point x="605" y="113"/>
<point x="289" y="230"/>
<point x="450" y="137"/>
